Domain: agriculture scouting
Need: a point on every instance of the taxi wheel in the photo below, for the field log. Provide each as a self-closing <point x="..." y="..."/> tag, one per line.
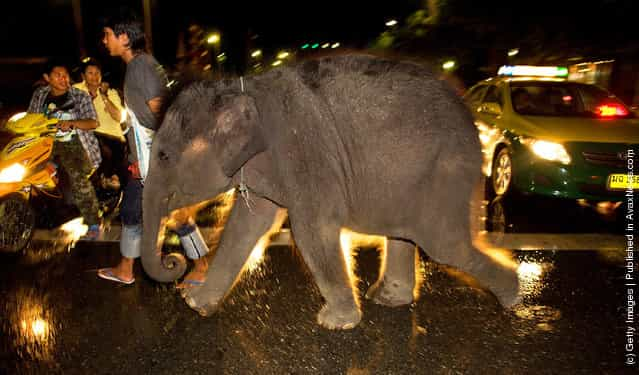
<point x="17" y="224"/>
<point x="502" y="172"/>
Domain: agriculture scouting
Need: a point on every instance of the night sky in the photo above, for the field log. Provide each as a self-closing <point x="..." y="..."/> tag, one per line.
<point x="45" y="28"/>
<point x="41" y="29"/>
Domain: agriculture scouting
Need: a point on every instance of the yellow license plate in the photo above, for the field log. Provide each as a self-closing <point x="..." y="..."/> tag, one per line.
<point x="620" y="182"/>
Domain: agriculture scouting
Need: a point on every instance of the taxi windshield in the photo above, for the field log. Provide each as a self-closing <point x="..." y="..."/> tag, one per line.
<point x="565" y="99"/>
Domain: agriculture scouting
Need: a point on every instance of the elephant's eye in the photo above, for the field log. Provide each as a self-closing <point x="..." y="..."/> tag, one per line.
<point x="163" y="156"/>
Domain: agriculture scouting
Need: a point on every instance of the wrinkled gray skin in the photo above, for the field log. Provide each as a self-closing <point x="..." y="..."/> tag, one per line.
<point x="377" y="146"/>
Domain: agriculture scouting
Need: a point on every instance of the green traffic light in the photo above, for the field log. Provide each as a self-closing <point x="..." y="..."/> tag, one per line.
<point x="315" y="45"/>
<point x="305" y="46"/>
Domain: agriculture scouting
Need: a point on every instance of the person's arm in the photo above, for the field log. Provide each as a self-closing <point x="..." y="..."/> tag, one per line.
<point x="86" y="124"/>
<point x="112" y="105"/>
<point x="86" y="118"/>
<point x="155" y="105"/>
<point x="36" y="101"/>
<point x="154" y="87"/>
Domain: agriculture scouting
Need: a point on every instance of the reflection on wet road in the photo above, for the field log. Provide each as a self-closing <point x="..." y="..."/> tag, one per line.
<point x="58" y="317"/>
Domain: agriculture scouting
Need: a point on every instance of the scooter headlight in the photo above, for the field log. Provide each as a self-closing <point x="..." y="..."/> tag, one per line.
<point x="17" y="116"/>
<point x="13" y="173"/>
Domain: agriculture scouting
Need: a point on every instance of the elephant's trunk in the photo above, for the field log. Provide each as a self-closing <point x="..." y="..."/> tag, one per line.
<point x="162" y="268"/>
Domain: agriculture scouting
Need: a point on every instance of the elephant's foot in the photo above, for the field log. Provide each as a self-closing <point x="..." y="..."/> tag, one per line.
<point x="390" y="293"/>
<point x="200" y="301"/>
<point x="508" y="295"/>
<point x="339" y="317"/>
<point x="504" y="284"/>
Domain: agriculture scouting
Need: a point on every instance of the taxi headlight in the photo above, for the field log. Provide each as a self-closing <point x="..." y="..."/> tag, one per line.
<point x="13" y="173"/>
<point x="548" y="150"/>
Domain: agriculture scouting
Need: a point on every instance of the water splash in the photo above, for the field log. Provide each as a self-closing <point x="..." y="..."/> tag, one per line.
<point x="73" y="230"/>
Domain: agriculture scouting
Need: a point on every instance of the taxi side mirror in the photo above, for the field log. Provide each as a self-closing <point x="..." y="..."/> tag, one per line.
<point x="490" y="108"/>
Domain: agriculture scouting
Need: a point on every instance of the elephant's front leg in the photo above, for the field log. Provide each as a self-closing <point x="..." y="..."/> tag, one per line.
<point x="397" y="275"/>
<point x="242" y="231"/>
<point x="320" y="248"/>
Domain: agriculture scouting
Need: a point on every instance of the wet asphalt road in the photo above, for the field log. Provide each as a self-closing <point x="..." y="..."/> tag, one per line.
<point x="56" y="316"/>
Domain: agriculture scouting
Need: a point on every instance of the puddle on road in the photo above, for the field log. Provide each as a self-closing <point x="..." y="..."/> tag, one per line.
<point x="531" y="278"/>
<point x="532" y="281"/>
<point x="30" y="325"/>
<point x="542" y="316"/>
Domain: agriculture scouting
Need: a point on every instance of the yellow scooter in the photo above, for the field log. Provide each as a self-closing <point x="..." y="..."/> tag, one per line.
<point x="30" y="187"/>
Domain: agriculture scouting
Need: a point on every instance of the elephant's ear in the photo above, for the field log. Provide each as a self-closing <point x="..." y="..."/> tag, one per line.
<point x="239" y="136"/>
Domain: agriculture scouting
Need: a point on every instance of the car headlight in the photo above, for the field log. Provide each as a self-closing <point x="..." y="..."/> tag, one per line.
<point x="548" y="150"/>
<point x="13" y="173"/>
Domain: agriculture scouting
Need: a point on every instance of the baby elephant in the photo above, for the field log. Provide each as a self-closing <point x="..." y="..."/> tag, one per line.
<point x="355" y="141"/>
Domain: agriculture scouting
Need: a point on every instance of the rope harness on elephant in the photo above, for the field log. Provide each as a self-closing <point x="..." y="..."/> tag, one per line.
<point x="244" y="191"/>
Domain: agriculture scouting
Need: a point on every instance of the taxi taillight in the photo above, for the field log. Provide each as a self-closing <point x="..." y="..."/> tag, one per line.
<point x="611" y="110"/>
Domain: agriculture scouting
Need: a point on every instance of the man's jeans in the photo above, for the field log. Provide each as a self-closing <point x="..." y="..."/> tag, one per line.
<point x="131" y="214"/>
<point x="130" y="241"/>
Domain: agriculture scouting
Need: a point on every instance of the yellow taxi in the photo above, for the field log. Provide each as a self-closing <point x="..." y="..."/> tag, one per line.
<point x="542" y="134"/>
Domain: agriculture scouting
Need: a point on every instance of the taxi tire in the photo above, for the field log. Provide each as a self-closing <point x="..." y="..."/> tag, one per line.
<point x="16" y="213"/>
<point x="502" y="158"/>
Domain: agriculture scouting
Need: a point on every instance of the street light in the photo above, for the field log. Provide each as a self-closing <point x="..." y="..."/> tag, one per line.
<point x="326" y="45"/>
<point x="213" y="38"/>
<point x="448" y="65"/>
<point x="513" y="52"/>
<point x="391" y="23"/>
<point x="277" y="62"/>
<point x="282" y="55"/>
<point x="256" y="54"/>
<point x="335" y="45"/>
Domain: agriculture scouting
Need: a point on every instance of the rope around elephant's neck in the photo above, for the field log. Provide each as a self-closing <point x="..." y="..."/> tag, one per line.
<point x="244" y="190"/>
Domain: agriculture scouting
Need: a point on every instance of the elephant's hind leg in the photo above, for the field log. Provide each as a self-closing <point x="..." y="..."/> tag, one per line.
<point x="445" y="230"/>
<point x="455" y="249"/>
<point x="320" y="248"/>
<point x="397" y="275"/>
<point x="243" y="229"/>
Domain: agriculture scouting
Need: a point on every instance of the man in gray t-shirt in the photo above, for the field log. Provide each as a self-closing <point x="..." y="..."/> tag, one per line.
<point x="144" y="80"/>
<point x="145" y="89"/>
<point x="144" y="93"/>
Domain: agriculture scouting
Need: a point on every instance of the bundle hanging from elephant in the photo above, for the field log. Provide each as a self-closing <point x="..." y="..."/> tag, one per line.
<point x="352" y="141"/>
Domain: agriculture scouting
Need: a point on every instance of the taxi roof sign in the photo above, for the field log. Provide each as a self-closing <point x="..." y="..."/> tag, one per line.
<point x="531" y="70"/>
